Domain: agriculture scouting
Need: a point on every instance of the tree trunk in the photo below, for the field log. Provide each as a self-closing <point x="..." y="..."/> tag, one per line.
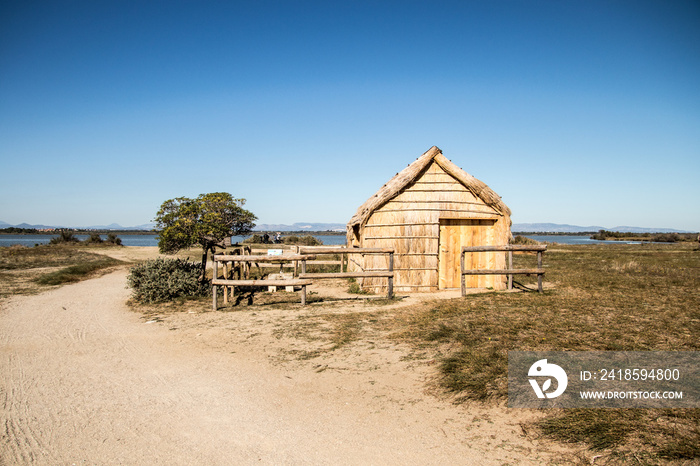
<point x="205" y="251"/>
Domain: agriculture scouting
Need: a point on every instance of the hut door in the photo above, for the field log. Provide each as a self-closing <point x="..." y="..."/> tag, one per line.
<point x="455" y="233"/>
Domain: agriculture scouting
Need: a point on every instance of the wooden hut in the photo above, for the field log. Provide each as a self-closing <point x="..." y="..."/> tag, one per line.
<point x="427" y="212"/>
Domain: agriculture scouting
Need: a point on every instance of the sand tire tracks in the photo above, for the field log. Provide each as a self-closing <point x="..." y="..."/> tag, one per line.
<point x="83" y="380"/>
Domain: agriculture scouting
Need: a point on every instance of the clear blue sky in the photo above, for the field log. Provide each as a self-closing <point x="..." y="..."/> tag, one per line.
<point x="581" y="112"/>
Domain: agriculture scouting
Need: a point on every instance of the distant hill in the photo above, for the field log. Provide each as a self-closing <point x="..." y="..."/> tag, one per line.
<point x="624" y="229"/>
<point x="301" y="227"/>
<point x="564" y="228"/>
<point x="38" y="227"/>
<point x="111" y="226"/>
<point x="309" y="226"/>
<point x="116" y="226"/>
<point x="305" y="226"/>
<point x="552" y="228"/>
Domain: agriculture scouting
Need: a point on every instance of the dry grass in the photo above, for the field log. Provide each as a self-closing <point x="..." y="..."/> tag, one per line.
<point x="26" y="270"/>
<point x="605" y="297"/>
<point x="601" y="297"/>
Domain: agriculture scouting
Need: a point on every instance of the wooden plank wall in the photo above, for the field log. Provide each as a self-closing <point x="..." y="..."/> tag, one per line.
<point x="456" y="233"/>
<point x="410" y="223"/>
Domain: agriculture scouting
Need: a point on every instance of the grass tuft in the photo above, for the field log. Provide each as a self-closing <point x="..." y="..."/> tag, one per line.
<point x="77" y="272"/>
<point x="599" y="428"/>
<point x="28" y="270"/>
<point x="604" y="297"/>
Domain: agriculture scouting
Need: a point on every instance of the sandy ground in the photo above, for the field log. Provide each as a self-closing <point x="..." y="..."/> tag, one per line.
<point x="85" y="380"/>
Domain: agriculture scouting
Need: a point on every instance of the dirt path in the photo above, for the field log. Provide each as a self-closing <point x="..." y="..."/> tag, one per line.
<point x="85" y="381"/>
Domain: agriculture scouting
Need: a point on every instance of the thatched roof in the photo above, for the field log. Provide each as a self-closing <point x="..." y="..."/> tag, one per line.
<point x="409" y="174"/>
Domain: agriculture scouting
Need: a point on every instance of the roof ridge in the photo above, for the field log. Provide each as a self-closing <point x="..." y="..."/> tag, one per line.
<point x="399" y="181"/>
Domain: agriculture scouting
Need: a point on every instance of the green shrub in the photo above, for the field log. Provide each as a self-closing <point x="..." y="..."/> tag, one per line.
<point x="306" y="240"/>
<point x="355" y="288"/>
<point x="64" y="237"/>
<point x="254" y="239"/>
<point x="524" y="240"/>
<point x="666" y="237"/>
<point x="94" y="238"/>
<point x="114" y="239"/>
<point x="161" y="280"/>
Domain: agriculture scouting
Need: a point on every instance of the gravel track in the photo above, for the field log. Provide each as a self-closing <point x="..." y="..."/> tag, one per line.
<point x="83" y="380"/>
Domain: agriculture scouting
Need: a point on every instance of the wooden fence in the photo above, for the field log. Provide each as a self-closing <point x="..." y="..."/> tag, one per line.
<point x="240" y="264"/>
<point x="228" y="264"/>
<point x="318" y="250"/>
<point x="510" y="271"/>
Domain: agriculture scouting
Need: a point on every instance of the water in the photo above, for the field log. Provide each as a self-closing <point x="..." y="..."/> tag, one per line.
<point x="566" y="239"/>
<point x="31" y="240"/>
<point x="135" y="240"/>
<point x="328" y="240"/>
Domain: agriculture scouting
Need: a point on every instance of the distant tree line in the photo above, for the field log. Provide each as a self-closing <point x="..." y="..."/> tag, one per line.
<point x="306" y="240"/>
<point x="603" y="235"/>
<point x="20" y="231"/>
<point x="553" y="233"/>
<point x="34" y="231"/>
<point x="67" y="237"/>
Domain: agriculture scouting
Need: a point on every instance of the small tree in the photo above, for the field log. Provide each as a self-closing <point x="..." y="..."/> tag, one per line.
<point x="94" y="238"/>
<point x="64" y="236"/>
<point x="114" y="239"/>
<point x="204" y="221"/>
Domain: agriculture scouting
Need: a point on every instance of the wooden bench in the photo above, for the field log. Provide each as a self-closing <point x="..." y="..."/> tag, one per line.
<point x="247" y="259"/>
<point x="259" y="283"/>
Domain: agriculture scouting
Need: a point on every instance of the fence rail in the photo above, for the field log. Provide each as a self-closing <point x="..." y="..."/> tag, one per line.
<point x="320" y="250"/>
<point x="510" y="271"/>
<point x="229" y="284"/>
<point x="298" y="256"/>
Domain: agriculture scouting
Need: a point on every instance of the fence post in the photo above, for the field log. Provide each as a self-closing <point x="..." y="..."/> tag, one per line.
<point x="462" y="281"/>
<point x="390" y="291"/>
<point x="214" y="274"/>
<point x="296" y="263"/>
<point x="510" y="267"/>
<point x="539" y="275"/>
<point x="510" y="271"/>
